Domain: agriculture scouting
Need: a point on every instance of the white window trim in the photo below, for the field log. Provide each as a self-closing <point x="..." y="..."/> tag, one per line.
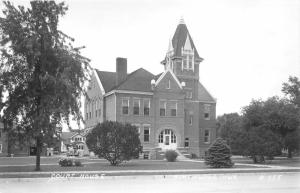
<point x="146" y="99"/>
<point x="146" y="125"/>
<point x="207" y="111"/>
<point x="0" y="147"/>
<point x="136" y="99"/>
<point x="165" y="107"/>
<point x="187" y="53"/>
<point x="208" y="142"/>
<point x="124" y="98"/>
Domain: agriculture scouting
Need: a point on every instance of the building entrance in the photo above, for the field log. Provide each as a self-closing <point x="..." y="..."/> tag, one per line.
<point x="167" y="139"/>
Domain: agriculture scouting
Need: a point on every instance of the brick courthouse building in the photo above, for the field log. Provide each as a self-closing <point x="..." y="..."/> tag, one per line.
<point x="172" y="110"/>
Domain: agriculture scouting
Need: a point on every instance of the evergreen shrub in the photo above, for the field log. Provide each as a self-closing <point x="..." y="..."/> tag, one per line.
<point x="219" y="155"/>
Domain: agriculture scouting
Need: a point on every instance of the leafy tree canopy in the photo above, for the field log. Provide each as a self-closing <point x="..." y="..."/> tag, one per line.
<point x="41" y="72"/>
<point x="114" y="141"/>
<point x="292" y="90"/>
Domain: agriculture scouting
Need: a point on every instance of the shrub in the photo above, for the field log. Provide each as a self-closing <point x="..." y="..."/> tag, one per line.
<point x="77" y="163"/>
<point x="65" y="162"/>
<point x="219" y="155"/>
<point x="114" y="142"/>
<point x="171" y="155"/>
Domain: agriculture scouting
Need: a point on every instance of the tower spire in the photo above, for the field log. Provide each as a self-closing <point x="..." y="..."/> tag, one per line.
<point x="181" y="21"/>
<point x="170" y="48"/>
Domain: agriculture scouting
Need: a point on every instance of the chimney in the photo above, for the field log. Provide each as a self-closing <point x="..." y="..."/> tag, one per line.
<point x="121" y="70"/>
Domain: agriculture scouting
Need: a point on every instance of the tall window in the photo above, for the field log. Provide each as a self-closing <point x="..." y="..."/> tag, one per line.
<point x="190" y="119"/>
<point x="162" y="108"/>
<point x="96" y="110"/>
<point x="136" y="106"/>
<point x="188" y="61"/>
<point x="185" y="61"/>
<point x="146" y="107"/>
<point x="206" y="136"/>
<point x="173" y="137"/>
<point x="173" y="107"/>
<point x="207" y="111"/>
<point x="125" y="106"/>
<point x="146" y="133"/>
<point x="0" y="148"/>
<point x="161" y="137"/>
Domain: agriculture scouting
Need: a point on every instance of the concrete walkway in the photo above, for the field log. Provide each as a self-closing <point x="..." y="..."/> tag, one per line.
<point x="241" y="164"/>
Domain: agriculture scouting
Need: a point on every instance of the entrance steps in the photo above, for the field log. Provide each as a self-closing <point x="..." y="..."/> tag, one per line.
<point x="181" y="157"/>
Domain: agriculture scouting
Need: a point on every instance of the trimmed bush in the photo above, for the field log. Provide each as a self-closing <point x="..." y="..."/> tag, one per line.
<point x="171" y="155"/>
<point x="219" y="155"/>
<point x="66" y="162"/>
<point x="77" y="163"/>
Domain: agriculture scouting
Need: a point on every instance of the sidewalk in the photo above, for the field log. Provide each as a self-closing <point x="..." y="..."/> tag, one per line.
<point x="97" y="174"/>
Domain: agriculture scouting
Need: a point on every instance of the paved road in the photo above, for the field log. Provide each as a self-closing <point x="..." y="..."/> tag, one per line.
<point x="234" y="183"/>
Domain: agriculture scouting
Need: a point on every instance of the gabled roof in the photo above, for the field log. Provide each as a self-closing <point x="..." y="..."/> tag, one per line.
<point x="139" y="80"/>
<point x="66" y="135"/>
<point x="179" y="40"/>
<point x="157" y="76"/>
<point x="108" y="79"/>
<point x="204" y="95"/>
<point x="164" y="74"/>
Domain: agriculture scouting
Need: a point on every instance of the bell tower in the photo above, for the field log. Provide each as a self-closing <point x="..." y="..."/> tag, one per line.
<point x="183" y="59"/>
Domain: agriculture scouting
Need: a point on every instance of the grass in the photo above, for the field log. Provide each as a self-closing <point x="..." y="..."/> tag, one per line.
<point x="50" y="164"/>
<point x="27" y="164"/>
<point x="278" y="161"/>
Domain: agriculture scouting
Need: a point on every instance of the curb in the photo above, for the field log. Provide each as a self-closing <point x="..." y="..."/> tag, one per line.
<point x="97" y="174"/>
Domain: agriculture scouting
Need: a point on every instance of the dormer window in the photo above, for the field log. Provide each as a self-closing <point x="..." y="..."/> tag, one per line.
<point x="187" y="55"/>
<point x="187" y="60"/>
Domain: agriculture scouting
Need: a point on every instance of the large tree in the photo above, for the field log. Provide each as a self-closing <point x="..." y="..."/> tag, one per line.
<point x="292" y="90"/>
<point x="278" y="117"/>
<point x="42" y="74"/>
<point x="230" y="129"/>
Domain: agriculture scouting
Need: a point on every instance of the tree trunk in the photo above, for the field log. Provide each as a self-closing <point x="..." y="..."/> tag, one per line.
<point x="290" y="155"/>
<point x="254" y="159"/>
<point x="38" y="154"/>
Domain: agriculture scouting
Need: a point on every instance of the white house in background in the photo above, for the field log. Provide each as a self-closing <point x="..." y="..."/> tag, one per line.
<point x="74" y="143"/>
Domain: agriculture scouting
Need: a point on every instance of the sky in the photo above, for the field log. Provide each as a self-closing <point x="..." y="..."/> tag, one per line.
<point x="249" y="47"/>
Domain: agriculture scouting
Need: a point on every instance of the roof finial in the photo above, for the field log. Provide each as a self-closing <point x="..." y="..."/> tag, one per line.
<point x="170" y="48"/>
<point x="181" y="20"/>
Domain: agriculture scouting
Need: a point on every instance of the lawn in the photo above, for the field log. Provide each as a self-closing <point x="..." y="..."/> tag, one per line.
<point x="278" y="161"/>
<point x="26" y="164"/>
<point x="49" y="167"/>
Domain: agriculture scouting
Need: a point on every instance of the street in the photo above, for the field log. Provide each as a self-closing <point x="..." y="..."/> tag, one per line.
<point x="238" y="183"/>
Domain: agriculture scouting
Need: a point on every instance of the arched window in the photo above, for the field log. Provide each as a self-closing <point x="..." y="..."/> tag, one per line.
<point x="161" y="137"/>
<point x="167" y="132"/>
